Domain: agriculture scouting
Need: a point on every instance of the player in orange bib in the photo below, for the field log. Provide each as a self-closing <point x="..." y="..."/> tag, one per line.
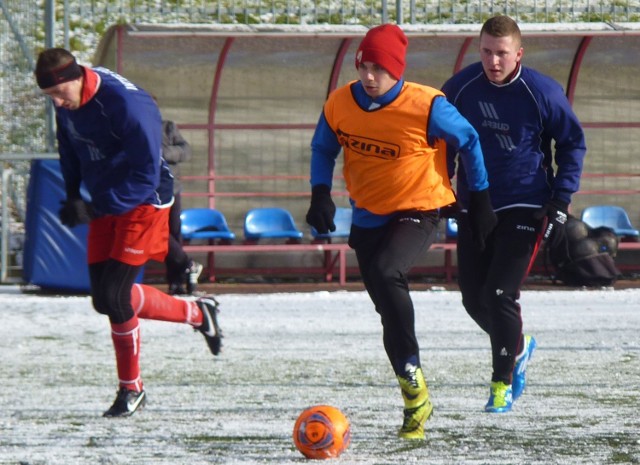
<point x="393" y="135"/>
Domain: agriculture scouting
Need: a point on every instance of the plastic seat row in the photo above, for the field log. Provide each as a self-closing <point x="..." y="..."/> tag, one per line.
<point x="278" y="223"/>
<point x="610" y="216"/>
<point x="259" y="223"/>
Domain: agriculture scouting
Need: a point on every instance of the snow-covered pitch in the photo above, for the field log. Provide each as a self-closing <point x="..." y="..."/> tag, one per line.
<point x="285" y="352"/>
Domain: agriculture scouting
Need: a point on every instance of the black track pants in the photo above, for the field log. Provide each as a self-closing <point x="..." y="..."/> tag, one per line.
<point x="176" y="261"/>
<point x="490" y="281"/>
<point x="385" y="256"/>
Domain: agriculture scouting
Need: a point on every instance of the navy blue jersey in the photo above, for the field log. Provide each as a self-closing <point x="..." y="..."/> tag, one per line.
<point x="523" y="125"/>
<point x="113" y="144"/>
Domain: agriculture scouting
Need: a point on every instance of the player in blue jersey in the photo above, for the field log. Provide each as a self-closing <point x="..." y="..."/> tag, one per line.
<point x="109" y="135"/>
<point x="533" y="147"/>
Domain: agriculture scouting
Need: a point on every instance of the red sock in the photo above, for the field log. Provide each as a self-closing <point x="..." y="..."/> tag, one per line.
<point x="152" y="304"/>
<point x="126" y="342"/>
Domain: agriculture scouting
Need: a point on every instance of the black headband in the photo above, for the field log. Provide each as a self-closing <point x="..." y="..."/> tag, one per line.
<point x="65" y="73"/>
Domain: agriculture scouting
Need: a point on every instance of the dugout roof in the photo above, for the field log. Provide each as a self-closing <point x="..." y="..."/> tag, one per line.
<point x="248" y="97"/>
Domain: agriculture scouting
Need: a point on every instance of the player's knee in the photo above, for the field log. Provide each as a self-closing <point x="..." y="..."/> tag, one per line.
<point x="110" y="301"/>
<point x="477" y="310"/>
<point x="100" y="305"/>
<point x="499" y="299"/>
<point x="382" y="275"/>
<point x="473" y="306"/>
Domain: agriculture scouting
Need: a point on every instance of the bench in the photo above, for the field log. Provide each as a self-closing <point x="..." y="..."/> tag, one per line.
<point x="334" y="254"/>
<point x="448" y="248"/>
<point x="629" y="246"/>
<point x="628" y="262"/>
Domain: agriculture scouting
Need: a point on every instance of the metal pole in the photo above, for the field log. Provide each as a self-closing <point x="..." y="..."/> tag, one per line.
<point x="16" y="32"/>
<point x="399" y="18"/>
<point x="4" y="242"/>
<point x="5" y="190"/>
<point x="49" y="23"/>
<point x="66" y="24"/>
<point x="50" y="28"/>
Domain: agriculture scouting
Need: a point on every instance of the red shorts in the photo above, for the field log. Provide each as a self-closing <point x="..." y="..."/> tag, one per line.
<point x="132" y="238"/>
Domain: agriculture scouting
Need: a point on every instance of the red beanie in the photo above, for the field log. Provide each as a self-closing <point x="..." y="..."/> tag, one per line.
<point x="385" y="46"/>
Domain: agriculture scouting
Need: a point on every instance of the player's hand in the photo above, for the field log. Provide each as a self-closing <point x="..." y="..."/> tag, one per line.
<point x="74" y="212"/>
<point x="556" y="214"/>
<point x="322" y="209"/>
<point x="482" y="218"/>
<point x="450" y="211"/>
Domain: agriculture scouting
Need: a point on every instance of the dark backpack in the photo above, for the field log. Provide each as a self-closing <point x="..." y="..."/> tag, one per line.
<point x="585" y="256"/>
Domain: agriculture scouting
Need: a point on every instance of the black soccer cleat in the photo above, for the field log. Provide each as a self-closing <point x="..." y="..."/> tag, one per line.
<point x="126" y="403"/>
<point x="210" y="328"/>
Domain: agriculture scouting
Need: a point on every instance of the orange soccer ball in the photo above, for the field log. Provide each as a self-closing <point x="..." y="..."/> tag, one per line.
<point x="322" y="432"/>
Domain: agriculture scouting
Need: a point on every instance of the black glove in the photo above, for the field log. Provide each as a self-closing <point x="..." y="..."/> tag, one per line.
<point x="322" y="209"/>
<point x="482" y="218"/>
<point x="450" y="211"/>
<point x="75" y="212"/>
<point x="556" y="213"/>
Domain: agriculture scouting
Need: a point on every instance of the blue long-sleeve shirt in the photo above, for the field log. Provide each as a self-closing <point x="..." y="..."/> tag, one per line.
<point x="518" y="122"/>
<point x="113" y="144"/>
<point x="445" y="122"/>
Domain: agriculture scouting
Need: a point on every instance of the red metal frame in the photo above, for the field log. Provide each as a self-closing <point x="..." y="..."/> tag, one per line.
<point x="211" y="126"/>
<point x="335" y="253"/>
<point x="575" y="67"/>
<point x="212" y="118"/>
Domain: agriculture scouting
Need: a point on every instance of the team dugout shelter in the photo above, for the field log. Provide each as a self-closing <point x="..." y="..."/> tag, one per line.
<point x="247" y="98"/>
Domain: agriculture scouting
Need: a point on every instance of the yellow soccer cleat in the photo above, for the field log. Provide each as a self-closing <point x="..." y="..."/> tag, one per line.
<point x="414" y="420"/>
<point x="417" y="406"/>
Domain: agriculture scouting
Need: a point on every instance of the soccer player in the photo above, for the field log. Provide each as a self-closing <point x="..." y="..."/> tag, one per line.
<point x="525" y="123"/>
<point x="109" y="134"/>
<point x="392" y="134"/>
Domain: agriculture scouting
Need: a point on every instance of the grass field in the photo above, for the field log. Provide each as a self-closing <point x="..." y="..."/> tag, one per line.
<point x="284" y="352"/>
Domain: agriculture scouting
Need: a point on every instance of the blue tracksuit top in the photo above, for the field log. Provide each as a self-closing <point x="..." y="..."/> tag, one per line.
<point x="518" y="122"/>
<point x="445" y="123"/>
<point x="113" y="144"/>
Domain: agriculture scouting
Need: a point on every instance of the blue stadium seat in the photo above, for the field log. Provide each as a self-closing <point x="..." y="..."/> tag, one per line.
<point x="342" y="220"/>
<point x="613" y="217"/>
<point x="270" y="223"/>
<point x="451" y="230"/>
<point x="206" y="224"/>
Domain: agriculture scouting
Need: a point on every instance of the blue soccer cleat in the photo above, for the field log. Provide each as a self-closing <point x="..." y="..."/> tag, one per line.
<point x="520" y="368"/>
<point x="500" y="398"/>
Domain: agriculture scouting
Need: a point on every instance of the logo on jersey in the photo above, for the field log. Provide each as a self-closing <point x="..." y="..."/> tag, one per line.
<point x="133" y="251"/>
<point x="492" y="121"/>
<point x="368" y="147"/>
<point x="524" y="227"/>
<point x="124" y="81"/>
